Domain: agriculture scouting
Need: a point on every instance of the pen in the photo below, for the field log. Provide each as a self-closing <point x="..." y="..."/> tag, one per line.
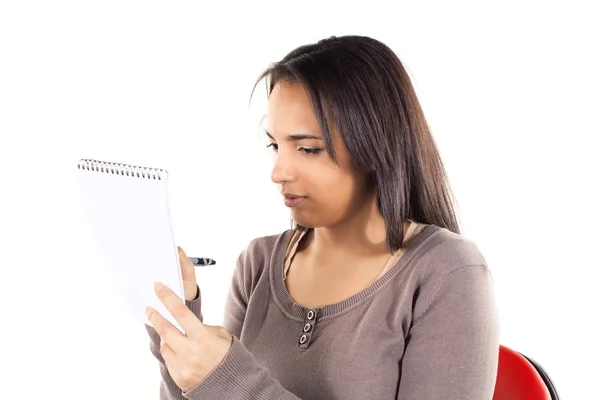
<point x="202" y="261"/>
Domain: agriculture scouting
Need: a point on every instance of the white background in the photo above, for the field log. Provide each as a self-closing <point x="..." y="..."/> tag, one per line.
<point x="510" y="90"/>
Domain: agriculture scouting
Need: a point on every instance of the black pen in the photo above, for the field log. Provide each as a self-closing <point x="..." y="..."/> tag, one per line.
<point x="202" y="261"/>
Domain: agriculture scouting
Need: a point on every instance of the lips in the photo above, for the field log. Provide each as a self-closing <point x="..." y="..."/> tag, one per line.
<point x="292" y="200"/>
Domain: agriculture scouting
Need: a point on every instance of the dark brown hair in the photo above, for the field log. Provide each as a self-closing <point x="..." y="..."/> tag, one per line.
<point x="360" y="86"/>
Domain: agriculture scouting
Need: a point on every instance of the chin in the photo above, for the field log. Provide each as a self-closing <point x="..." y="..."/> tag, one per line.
<point x="302" y="220"/>
<point x="308" y="222"/>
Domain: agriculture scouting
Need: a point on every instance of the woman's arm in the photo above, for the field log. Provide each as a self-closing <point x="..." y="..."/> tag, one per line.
<point x="452" y="347"/>
<point x="239" y="376"/>
<point x="168" y="389"/>
<point x="237" y="298"/>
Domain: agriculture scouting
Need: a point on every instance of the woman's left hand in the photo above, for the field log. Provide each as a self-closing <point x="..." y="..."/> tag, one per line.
<point x="190" y="357"/>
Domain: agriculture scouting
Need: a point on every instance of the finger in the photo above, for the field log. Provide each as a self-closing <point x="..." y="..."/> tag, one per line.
<point x="168" y="333"/>
<point x="187" y="268"/>
<point x="167" y="354"/>
<point x="184" y="316"/>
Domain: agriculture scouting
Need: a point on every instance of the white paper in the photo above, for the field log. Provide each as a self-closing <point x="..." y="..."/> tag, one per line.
<point x="130" y="219"/>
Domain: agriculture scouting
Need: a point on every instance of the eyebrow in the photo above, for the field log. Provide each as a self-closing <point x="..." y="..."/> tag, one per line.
<point x="297" y="136"/>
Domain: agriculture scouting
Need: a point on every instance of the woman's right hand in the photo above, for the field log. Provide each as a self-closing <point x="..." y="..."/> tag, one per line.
<point x="188" y="273"/>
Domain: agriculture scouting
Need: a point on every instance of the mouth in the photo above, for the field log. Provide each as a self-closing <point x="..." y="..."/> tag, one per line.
<point x="291" y="200"/>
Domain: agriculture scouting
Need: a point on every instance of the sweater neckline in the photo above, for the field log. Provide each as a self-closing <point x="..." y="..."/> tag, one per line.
<point x="297" y="311"/>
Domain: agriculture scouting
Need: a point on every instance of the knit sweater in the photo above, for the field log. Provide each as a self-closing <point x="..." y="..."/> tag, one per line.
<point x="427" y="329"/>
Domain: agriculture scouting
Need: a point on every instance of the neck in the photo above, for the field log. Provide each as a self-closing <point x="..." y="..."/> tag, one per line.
<point x="362" y="235"/>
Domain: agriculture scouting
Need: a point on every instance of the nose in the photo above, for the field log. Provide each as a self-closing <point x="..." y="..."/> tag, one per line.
<point x="283" y="170"/>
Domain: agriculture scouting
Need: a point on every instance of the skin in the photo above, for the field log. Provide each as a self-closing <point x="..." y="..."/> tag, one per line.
<point x="191" y="357"/>
<point x="344" y="252"/>
<point x="340" y="203"/>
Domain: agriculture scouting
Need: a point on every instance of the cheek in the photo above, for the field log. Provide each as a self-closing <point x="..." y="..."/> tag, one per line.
<point x="335" y="191"/>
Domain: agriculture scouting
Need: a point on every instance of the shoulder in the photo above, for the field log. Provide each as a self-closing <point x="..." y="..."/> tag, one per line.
<point x="446" y="262"/>
<point x="448" y="251"/>
<point x="263" y="248"/>
<point x="254" y="260"/>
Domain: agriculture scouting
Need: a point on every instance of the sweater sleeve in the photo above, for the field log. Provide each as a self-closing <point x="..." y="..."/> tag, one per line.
<point x="239" y="294"/>
<point x="239" y="377"/>
<point x="452" y="347"/>
<point x="168" y="388"/>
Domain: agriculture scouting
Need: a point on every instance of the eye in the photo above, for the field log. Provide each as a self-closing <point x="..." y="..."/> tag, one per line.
<point x="275" y="146"/>
<point x="310" y="150"/>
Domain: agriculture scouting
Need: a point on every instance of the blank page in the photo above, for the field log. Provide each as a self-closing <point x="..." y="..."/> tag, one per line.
<point x="128" y="213"/>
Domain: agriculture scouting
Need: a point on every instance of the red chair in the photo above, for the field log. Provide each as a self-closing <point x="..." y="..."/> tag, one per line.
<point x="521" y="378"/>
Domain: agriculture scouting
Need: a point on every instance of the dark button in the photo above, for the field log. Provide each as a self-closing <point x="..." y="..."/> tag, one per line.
<point x="303" y="339"/>
<point x="307" y="327"/>
<point x="310" y="315"/>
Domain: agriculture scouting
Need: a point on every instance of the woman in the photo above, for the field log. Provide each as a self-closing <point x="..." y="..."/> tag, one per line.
<point x="373" y="294"/>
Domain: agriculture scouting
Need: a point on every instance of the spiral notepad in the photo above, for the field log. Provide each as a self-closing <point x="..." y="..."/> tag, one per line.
<point x="127" y="210"/>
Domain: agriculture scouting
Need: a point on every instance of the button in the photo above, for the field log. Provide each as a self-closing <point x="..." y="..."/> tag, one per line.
<point x="307" y="327"/>
<point x="311" y="315"/>
<point x="303" y="339"/>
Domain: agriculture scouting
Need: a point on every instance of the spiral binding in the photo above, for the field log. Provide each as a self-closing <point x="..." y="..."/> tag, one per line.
<point x="113" y="168"/>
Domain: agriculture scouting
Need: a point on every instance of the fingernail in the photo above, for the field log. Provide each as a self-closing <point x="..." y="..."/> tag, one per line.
<point x="148" y="312"/>
<point x="158" y="287"/>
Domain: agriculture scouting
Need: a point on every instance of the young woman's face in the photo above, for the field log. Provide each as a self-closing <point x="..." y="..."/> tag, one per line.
<point x="318" y="192"/>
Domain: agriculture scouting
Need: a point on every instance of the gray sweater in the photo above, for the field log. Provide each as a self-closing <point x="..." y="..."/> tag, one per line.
<point x="427" y="329"/>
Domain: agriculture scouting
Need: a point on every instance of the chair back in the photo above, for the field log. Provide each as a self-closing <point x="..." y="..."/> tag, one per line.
<point x="521" y="378"/>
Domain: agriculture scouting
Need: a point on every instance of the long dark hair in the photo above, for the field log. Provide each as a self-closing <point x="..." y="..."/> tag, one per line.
<point x="360" y="86"/>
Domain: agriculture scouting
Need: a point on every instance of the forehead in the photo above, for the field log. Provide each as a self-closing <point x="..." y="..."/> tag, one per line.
<point x="290" y="109"/>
